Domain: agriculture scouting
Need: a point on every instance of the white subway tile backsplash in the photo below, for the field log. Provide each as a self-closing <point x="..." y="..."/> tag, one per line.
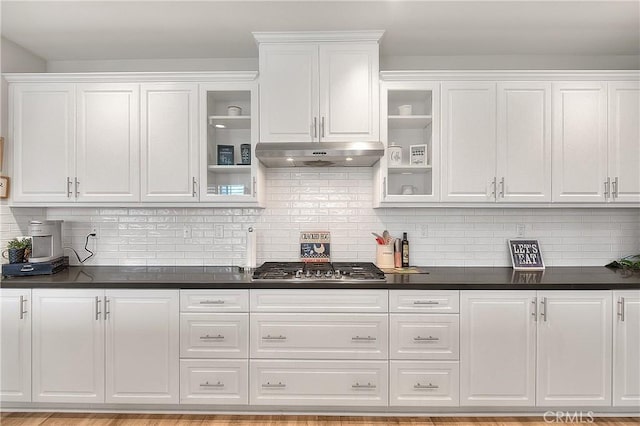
<point x="338" y="200"/>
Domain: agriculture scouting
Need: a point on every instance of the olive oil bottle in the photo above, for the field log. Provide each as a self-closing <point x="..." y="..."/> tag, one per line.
<point x="405" y="250"/>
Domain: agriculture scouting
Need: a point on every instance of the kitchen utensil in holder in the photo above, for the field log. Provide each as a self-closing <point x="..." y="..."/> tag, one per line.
<point x="384" y="256"/>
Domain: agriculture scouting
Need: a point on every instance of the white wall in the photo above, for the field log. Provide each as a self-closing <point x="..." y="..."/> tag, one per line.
<point x="339" y="200"/>
<point x="155" y="65"/>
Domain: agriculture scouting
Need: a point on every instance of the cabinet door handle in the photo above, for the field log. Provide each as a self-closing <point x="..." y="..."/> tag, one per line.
<point x="315" y="127"/>
<point x="270" y="385"/>
<point x="107" y="306"/>
<point x="543" y="314"/>
<point x="429" y="339"/>
<point x="430" y="386"/>
<point x="426" y="302"/>
<point x="270" y="337"/>
<point x="194" y="185"/>
<point x="614" y="187"/>
<point x="364" y="339"/>
<point x="606" y="188"/>
<point x="493" y="185"/>
<point x="23" y="311"/>
<point x="207" y="337"/>
<point x="322" y="127"/>
<point x="77" y="184"/>
<point x="534" y="309"/>
<point x="502" y="187"/>
<point x="363" y="386"/>
<point x="621" y="309"/>
<point x="384" y="187"/>
<point x="212" y="385"/>
<point x="98" y="308"/>
<point x="255" y="187"/>
<point x="68" y="187"/>
<point x="212" y="302"/>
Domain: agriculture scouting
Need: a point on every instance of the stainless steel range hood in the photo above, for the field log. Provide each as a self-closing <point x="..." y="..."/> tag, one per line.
<point x="319" y="154"/>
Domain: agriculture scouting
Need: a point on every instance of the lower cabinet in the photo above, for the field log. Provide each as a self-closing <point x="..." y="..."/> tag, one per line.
<point x="214" y="381"/>
<point x="318" y="383"/>
<point x="115" y="346"/>
<point x="15" y="350"/>
<point x="626" y="349"/>
<point x="423" y="383"/>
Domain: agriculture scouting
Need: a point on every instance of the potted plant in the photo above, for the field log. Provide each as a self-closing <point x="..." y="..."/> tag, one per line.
<point x="16" y="249"/>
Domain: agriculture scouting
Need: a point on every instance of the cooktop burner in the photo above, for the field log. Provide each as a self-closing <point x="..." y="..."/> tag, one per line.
<point x="319" y="271"/>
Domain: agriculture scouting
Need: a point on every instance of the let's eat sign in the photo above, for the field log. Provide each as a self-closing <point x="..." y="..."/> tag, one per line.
<point x="526" y="254"/>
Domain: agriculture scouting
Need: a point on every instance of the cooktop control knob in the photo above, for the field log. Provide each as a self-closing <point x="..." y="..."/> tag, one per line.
<point x="308" y="274"/>
<point x="328" y="274"/>
<point x="338" y="273"/>
<point x="318" y="273"/>
<point x="299" y="273"/>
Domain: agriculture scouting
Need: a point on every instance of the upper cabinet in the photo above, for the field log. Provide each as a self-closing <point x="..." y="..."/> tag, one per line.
<point x="319" y="87"/>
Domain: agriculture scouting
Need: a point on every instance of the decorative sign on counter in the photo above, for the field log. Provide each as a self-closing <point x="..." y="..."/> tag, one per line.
<point x="526" y="255"/>
<point x="315" y="246"/>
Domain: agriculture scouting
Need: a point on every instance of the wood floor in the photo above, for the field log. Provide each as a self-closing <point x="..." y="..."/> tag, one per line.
<point x="70" y="419"/>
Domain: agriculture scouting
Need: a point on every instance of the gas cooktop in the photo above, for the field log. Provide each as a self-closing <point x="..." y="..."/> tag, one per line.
<point x="319" y="271"/>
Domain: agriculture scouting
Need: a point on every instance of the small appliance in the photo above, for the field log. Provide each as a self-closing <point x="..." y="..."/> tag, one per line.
<point x="46" y="240"/>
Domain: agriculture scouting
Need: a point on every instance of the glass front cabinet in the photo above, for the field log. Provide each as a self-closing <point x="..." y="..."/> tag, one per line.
<point x="409" y="128"/>
<point x="229" y="170"/>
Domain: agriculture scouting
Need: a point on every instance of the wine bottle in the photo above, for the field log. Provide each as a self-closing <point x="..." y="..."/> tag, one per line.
<point x="405" y="250"/>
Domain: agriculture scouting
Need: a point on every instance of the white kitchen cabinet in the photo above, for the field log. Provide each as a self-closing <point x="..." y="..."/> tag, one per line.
<point x="498" y="348"/>
<point x="574" y="348"/>
<point x="318" y="383"/>
<point x="169" y="148"/>
<point x="424" y="301"/>
<point x="68" y="346"/>
<point x="423" y="383"/>
<point x="15" y="351"/>
<point x="626" y="349"/>
<point x="315" y="89"/>
<point x="468" y="141"/>
<point x="214" y="300"/>
<point x="405" y="178"/>
<point x="347" y="301"/>
<point x="209" y="335"/>
<point x="579" y="142"/>
<point x="417" y="336"/>
<point x="229" y="169"/>
<point x="43" y="134"/>
<point x="524" y="142"/>
<point x="108" y="148"/>
<point x="210" y="381"/>
<point x="142" y="346"/>
<point x="624" y="142"/>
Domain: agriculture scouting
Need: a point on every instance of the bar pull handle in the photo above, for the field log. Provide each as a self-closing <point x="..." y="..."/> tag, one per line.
<point x="543" y="314"/>
<point x="207" y="337"/>
<point x="194" y="186"/>
<point x="255" y="187"/>
<point x="429" y="339"/>
<point x="322" y="127"/>
<point x="68" y="187"/>
<point x="98" y="312"/>
<point x="77" y="184"/>
<point x="212" y="385"/>
<point x="615" y="187"/>
<point x="606" y="188"/>
<point x="426" y="302"/>
<point x="23" y="311"/>
<point x="364" y="339"/>
<point x="212" y="302"/>
<point x="315" y="127"/>
<point x="363" y="386"/>
<point x="270" y="385"/>
<point x="384" y="187"/>
<point x="534" y="309"/>
<point x="270" y="337"/>
<point x="493" y="185"/>
<point x="419" y="386"/>
<point x="621" y="309"/>
<point x="502" y="187"/>
<point x="107" y="306"/>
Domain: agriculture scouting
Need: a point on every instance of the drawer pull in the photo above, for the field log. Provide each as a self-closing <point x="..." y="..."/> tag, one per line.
<point x="270" y="385"/>
<point x="364" y="339"/>
<point x="270" y="337"/>
<point x="359" y="386"/>
<point x="211" y="385"/>
<point x="418" y="386"/>
<point x="207" y="337"/>
<point x="426" y="339"/>
<point x="212" y="302"/>
<point x="426" y="302"/>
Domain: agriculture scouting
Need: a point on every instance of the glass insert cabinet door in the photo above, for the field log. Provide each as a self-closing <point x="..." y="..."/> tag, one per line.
<point x="410" y="132"/>
<point x="229" y="168"/>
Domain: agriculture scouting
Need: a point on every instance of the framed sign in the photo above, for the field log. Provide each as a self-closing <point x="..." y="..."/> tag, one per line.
<point x="315" y="246"/>
<point x="418" y="155"/>
<point x="225" y="155"/>
<point x="526" y="255"/>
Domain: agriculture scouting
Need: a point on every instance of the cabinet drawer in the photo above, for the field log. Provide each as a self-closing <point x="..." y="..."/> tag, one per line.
<point x="214" y="381"/>
<point x="319" y="301"/>
<point x="424" y="301"/>
<point x="319" y="383"/>
<point x="415" y="383"/>
<point x="214" y="335"/>
<point x="214" y="301"/>
<point x="333" y="336"/>
<point x="424" y="337"/>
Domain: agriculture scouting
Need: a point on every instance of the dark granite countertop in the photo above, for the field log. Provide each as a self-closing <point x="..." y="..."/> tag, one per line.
<point x="438" y="278"/>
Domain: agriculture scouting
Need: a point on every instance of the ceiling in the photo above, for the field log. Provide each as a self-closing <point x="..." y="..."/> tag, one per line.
<point x="100" y="30"/>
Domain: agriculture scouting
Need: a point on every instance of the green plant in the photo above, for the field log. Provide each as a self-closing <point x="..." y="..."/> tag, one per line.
<point x="628" y="262"/>
<point x="22" y="243"/>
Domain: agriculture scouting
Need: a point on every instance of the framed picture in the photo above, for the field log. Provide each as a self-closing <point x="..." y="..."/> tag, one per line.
<point x="526" y="255"/>
<point x="418" y="155"/>
<point x="225" y="155"/>
<point x="4" y="187"/>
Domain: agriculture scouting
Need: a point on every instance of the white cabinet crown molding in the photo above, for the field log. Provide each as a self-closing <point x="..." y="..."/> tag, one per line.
<point x="509" y="75"/>
<point x="316" y="36"/>
<point x="133" y="77"/>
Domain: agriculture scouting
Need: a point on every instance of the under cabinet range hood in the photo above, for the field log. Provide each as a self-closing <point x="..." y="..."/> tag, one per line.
<point x="319" y="154"/>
